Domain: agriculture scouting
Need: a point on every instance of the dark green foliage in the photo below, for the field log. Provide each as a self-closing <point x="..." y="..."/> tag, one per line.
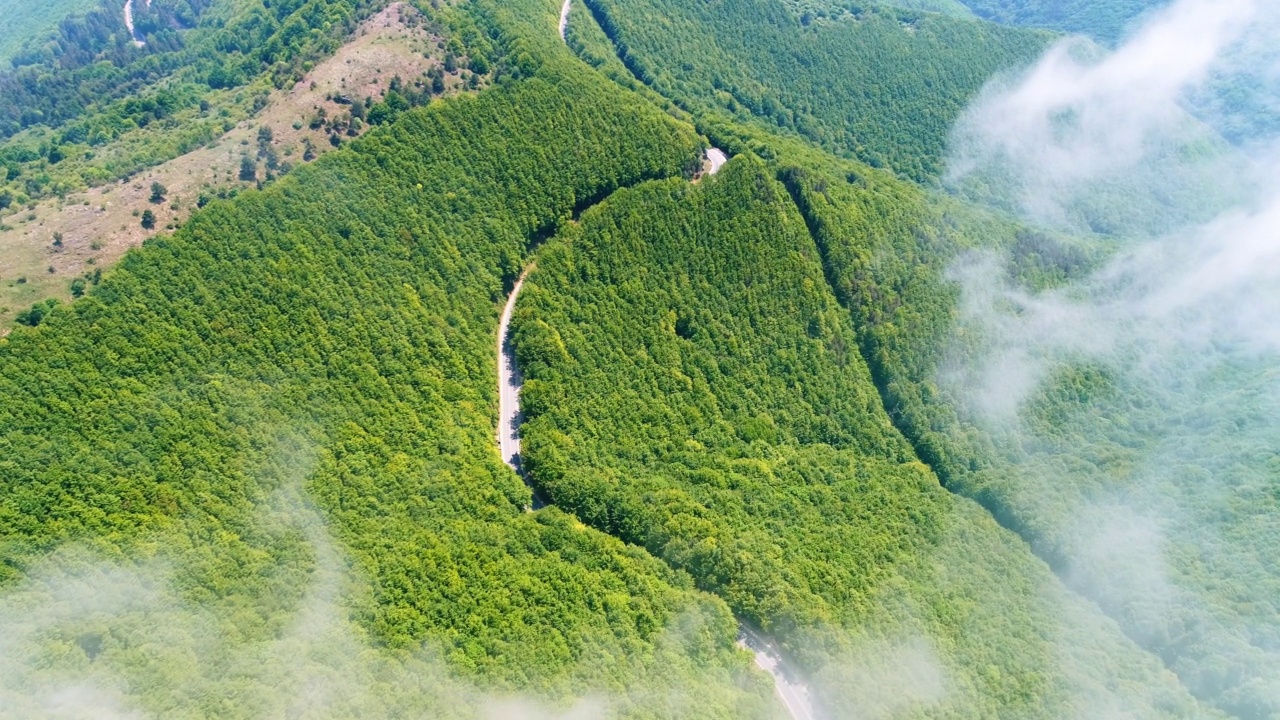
<point x="694" y="387"/>
<point x="92" y="62"/>
<point x="21" y="22"/>
<point x="33" y="316"/>
<point x="880" y="85"/>
<point x="148" y="219"/>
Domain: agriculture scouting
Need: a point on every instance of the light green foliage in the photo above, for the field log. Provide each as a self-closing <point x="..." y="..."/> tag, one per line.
<point x="22" y="21"/>
<point x="693" y="386"/>
<point x="348" y="311"/>
<point x="880" y="85"/>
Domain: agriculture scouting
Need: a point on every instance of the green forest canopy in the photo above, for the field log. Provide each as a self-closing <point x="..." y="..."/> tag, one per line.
<point x="734" y="377"/>
<point x="883" y="86"/>
<point x="694" y="387"/>
<point x="348" y="312"/>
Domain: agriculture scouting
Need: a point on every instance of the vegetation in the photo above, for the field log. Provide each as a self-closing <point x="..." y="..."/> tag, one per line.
<point x="335" y="332"/>
<point x="1091" y="453"/>
<point x="732" y="399"/>
<point x="883" y="86"/>
<point x="1105" y="20"/>
<point x="22" y="21"/>
<point x="89" y="107"/>
<point x="693" y="386"/>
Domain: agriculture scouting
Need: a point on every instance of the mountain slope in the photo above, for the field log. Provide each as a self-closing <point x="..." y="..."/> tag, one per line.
<point x="879" y="85"/>
<point x="694" y="387"/>
<point x="1104" y="20"/>
<point x="21" y="22"/>
<point x="331" y="336"/>
<point x="1101" y="469"/>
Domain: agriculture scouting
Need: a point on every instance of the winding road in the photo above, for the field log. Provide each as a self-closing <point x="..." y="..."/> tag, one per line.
<point x="792" y="692"/>
<point x="128" y="22"/>
<point x="717" y="158"/>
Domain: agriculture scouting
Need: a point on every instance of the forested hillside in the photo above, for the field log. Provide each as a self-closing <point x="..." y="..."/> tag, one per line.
<point x="21" y="21"/>
<point x="332" y="336"/>
<point x="1104" y="20"/>
<point x="1084" y="467"/>
<point x="252" y="472"/>
<point x="880" y="85"/>
<point x="695" y="388"/>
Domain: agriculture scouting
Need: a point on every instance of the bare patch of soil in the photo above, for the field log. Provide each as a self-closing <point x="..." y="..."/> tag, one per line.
<point x="97" y="227"/>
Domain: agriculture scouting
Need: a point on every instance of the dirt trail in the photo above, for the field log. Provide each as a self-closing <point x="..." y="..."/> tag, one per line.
<point x="128" y="22"/>
<point x="792" y="692"/>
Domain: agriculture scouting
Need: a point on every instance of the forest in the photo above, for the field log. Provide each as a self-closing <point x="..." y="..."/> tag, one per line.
<point x="881" y="85"/>
<point x="1104" y="20"/>
<point x="251" y="471"/>
<point x="256" y="353"/>
<point x="1077" y="461"/>
<point x="694" y="387"/>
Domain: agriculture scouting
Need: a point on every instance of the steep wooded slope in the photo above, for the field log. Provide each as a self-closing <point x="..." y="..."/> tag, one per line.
<point x="1104" y="20"/>
<point x="21" y="22"/>
<point x="332" y="336"/>
<point x="1146" y="482"/>
<point x="880" y="85"/>
<point x="694" y="387"/>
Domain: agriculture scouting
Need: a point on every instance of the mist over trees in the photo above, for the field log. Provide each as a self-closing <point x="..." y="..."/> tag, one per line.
<point x="957" y="383"/>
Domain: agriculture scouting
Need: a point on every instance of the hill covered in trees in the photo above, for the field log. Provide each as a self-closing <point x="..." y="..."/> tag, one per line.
<point x="20" y="22"/>
<point x="253" y="471"/>
<point x="332" y="336"/>
<point x="878" y="84"/>
<point x="694" y="387"/>
<point x="1104" y="20"/>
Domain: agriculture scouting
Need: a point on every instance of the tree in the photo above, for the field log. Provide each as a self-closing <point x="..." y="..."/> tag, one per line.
<point x="36" y="314"/>
<point x="158" y="192"/>
<point x="248" y="169"/>
<point x="148" y="219"/>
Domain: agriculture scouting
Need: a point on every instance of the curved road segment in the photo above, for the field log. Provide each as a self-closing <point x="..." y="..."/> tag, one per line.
<point x="792" y="692"/>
